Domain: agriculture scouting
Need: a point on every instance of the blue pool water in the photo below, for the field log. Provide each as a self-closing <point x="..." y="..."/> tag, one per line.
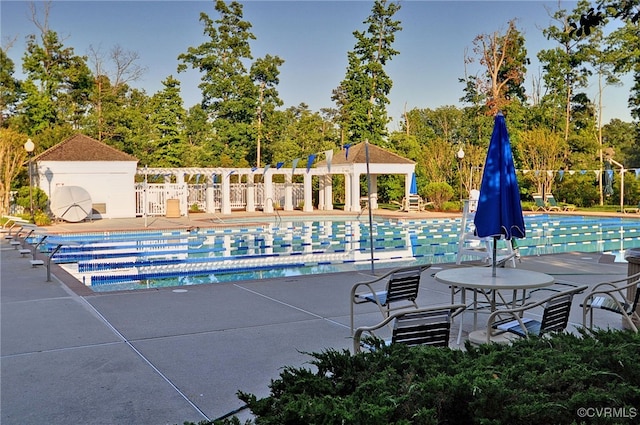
<point x="133" y="260"/>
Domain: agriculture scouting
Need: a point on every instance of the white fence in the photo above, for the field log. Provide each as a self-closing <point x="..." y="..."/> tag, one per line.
<point x="192" y="195"/>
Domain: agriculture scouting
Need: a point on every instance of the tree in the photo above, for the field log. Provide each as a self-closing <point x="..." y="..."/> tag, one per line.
<point x="12" y="159"/>
<point x="110" y="83"/>
<point x="625" y="40"/>
<point x="623" y="46"/>
<point x="565" y="69"/>
<point x="541" y="152"/>
<point x="619" y="135"/>
<point x="167" y="120"/>
<point x="363" y="93"/>
<point x="58" y="82"/>
<point x="230" y="93"/>
<point x="10" y="87"/>
<point x="503" y="58"/>
<point x="264" y="73"/>
<point x="300" y="134"/>
<point x="199" y="139"/>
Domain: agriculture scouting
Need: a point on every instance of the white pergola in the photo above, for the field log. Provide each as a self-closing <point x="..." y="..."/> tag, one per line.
<point x="349" y="162"/>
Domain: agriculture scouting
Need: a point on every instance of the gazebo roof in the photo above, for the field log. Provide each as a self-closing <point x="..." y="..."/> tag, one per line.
<point x="83" y="148"/>
<point x="357" y="155"/>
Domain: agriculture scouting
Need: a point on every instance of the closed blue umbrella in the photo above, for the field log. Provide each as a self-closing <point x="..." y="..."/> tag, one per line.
<point x="413" y="189"/>
<point x="608" y="180"/>
<point x="499" y="211"/>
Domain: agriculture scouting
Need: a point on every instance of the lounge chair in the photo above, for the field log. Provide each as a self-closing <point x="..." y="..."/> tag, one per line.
<point x="618" y="296"/>
<point x="400" y="287"/>
<point x="413" y="203"/>
<point x="424" y="326"/>
<point x="635" y="210"/>
<point x="554" y="206"/>
<point x="550" y="203"/>
<point x="555" y="316"/>
<point x="540" y="205"/>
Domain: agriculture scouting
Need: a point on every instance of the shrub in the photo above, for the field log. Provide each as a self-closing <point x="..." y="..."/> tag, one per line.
<point x="41" y="218"/>
<point x="452" y="206"/>
<point x="534" y="381"/>
<point x="439" y="193"/>
<point x="40" y="198"/>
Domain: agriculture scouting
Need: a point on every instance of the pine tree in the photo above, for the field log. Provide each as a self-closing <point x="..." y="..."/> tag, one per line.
<point x="366" y="85"/>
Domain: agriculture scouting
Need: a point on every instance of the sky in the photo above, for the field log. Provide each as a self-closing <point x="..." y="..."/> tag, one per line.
<point x="313" y="38"/>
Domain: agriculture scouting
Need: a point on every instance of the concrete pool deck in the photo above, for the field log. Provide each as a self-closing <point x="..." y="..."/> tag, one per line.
<point x="164" y="356"/>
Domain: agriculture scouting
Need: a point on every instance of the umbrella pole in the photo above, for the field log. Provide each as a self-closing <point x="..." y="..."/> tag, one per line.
<point x="493" y="268"/>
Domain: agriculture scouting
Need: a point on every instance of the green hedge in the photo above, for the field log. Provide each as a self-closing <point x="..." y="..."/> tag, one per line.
<point x="591" y="378"/>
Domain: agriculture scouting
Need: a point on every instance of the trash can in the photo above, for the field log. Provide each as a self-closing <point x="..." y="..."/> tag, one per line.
<point x="633" y="259"/>
<point x="173" y="209"/>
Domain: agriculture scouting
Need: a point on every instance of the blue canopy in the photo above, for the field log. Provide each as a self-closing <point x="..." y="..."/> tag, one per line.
<point x="413" y="189"/>
<point x="499" y="211"/>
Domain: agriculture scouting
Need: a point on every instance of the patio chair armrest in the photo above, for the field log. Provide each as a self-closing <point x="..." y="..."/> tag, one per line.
<point x="631" y="281"/>
<point x="610" y="285"/>
<point x="604" y="294"/>
<point x="608" y="293"/>
<point x="355" y="298"/>
<point x="496" y="314"/>
<point x="357" y="336"/>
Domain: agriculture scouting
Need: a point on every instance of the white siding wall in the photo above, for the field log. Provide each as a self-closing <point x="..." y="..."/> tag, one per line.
<point x="108" y="182"/>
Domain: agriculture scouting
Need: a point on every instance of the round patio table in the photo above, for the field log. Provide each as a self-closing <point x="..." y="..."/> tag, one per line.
<point x="480" y="279"/>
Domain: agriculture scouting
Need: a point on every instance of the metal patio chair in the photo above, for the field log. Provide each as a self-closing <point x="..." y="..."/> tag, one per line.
<point x="398" y="287"/>
<point x="555" y="316"/>
<point x="424" y="326"/>
<point x="619" y="296"/>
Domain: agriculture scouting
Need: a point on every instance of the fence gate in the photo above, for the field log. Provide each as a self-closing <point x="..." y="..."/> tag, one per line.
<point x="157" y="196"/>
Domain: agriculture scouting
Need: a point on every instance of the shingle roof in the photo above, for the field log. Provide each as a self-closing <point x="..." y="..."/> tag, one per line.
<point x="83" y="148"/>
<point x="357" y="155"/>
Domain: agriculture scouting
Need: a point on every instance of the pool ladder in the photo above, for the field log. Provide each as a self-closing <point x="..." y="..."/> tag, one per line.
<point x="278" y="218"/>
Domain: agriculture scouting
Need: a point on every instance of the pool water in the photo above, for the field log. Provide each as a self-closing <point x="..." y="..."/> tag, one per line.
<point x="151" y="259"/>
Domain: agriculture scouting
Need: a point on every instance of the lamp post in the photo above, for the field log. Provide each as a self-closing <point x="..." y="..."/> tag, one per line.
<point x="29" y="147"/>
<point x="460" y="155"/>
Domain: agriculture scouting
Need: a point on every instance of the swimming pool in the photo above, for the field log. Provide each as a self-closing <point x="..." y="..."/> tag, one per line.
<point x="149" y="259"/>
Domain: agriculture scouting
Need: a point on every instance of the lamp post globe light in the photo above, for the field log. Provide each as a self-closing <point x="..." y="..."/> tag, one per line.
<point x="460" y="156"/>
<point x="29" y="146"/>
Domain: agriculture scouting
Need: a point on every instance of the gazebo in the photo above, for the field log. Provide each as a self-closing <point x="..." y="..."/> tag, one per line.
<point x="352" y="162"/>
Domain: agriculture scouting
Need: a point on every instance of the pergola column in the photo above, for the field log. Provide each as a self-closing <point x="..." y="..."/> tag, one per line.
<point x="347" y="192"/>
<point x="407" y="186"/>
<point x="208" y="194"/>
<point x="251" y="194"/>
<point x="355" y="192"/>
<point x="328" y="192"/>
<point x="225" y="203"/>
<point x="267" y="201"/>
<point x="321" y="192"/>
<point x="288" y="192"/>
<point x="308" y="193"/>
<point x="374" y="192"/>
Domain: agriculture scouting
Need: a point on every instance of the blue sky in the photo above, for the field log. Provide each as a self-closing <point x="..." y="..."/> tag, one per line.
<point x="313" y="37"/>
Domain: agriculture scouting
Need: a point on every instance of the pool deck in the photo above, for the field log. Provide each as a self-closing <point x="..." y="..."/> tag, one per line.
<point x="165" y="356"/>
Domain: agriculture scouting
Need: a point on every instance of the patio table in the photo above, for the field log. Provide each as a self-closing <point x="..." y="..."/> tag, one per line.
<point x="481" y="279"/>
